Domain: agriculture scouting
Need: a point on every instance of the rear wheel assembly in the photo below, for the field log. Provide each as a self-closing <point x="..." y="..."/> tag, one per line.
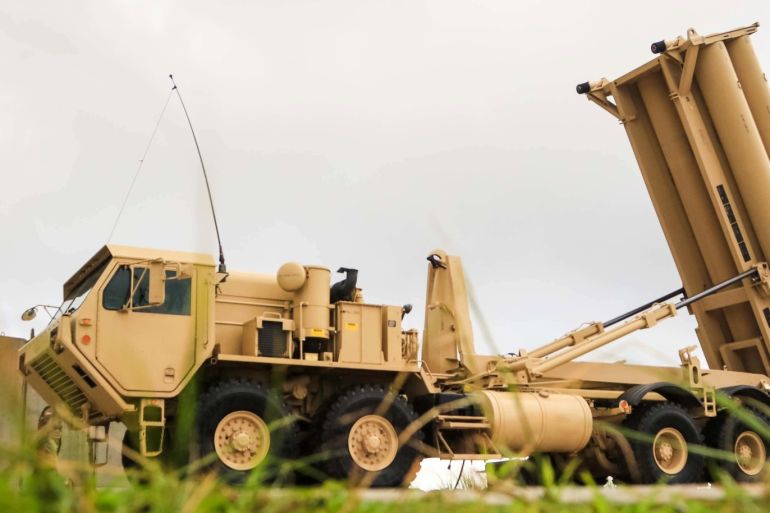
<point x="243" y="426"/>
<point x="360" y="438"/>
<point x="747" y="450"/>
<point x="661" y="444"/>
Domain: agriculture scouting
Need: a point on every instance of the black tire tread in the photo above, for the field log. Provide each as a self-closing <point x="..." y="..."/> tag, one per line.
<point x="639" y="421"/>
<point x="721" y="434"/>
<point x="357" y="397"/>
<point x="210" y="400"/>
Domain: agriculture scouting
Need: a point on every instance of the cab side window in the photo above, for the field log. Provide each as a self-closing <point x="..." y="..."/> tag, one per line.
<point x="178" y="292"/>
<point x="116" y="292"/>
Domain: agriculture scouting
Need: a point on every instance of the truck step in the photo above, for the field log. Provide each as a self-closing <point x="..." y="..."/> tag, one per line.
<point x="449" y="422"/>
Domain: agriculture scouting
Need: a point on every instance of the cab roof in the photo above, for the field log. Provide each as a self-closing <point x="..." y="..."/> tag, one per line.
<point x="106" y="253"/>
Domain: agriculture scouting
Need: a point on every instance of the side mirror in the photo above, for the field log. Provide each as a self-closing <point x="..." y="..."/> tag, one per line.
<point x="156" y="294"/>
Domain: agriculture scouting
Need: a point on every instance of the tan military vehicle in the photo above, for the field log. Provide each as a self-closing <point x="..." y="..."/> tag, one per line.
<point x="253" y="371"/>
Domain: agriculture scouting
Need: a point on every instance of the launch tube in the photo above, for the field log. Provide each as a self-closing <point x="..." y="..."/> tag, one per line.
<point x="753" y="83"/>
<point x="738" y="134"/>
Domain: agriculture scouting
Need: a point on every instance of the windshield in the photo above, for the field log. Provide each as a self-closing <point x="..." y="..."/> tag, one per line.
<point x="82" y="290"/>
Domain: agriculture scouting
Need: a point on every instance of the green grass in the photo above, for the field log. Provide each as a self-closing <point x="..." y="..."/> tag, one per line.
<point x="27" y="487"/>
<point x="209" y="496"/>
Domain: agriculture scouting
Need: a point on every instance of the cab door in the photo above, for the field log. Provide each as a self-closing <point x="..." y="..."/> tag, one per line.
<point x="147" y="348"/>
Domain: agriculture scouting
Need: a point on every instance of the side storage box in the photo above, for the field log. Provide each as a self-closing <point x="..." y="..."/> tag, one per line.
<point x="359" y="337"/>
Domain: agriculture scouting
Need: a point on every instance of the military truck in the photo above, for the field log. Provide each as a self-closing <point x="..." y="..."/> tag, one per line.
<point x="255" y="371"/>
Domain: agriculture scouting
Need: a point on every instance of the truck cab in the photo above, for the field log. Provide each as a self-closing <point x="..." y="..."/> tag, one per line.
<point x="133" y="323"/>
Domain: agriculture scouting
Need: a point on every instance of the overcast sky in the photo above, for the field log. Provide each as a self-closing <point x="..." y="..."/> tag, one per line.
<point x="346" y="133"/>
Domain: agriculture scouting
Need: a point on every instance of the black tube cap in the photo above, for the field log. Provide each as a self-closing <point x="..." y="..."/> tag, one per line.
<point x="658" y="46"/>
<point x="583" y="88"/>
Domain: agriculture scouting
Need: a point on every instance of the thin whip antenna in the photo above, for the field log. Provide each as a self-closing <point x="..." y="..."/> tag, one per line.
<point x="222" y="267"/>
<point x="141" y="163"/>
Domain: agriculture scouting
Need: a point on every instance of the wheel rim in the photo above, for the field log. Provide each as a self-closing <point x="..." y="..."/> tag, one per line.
<point x="669" y="449"/>
<point x="750" y="453"/>
<point x="373" y="442"/>
<point x="242" y="440"/>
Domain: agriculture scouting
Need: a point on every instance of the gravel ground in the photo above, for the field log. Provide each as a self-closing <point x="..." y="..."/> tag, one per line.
<point x="660" y="494"/>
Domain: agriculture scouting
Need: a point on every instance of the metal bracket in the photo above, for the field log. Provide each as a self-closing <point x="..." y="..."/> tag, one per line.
<point x="692" y="369"/>
<point x="762" y="282"/>
<point x="435" y="261"/>
<point x="688" y="69"/>
<point x="600" y="99"/>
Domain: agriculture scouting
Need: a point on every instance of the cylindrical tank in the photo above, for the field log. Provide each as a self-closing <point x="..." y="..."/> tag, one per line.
<point x="738" y="134"/>
<point x="311" y="299"/>
<point x="529" y="422"/>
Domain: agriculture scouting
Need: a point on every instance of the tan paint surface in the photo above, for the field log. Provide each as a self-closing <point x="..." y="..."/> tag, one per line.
<point x="697" y="119"/>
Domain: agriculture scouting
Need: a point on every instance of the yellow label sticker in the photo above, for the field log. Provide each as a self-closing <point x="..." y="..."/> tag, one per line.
<point x="316" y="332"/>
<point x="351" y="326"/>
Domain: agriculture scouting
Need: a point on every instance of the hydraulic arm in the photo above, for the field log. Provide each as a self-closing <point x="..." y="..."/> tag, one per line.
<point x="570" y="347"/>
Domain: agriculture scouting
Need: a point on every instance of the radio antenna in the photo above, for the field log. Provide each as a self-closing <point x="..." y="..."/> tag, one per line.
<point x="139" y="167"/>
<point x="222" y="267"/>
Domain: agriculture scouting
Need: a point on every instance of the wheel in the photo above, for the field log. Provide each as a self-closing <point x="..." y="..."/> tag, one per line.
<point x="243" y="426"/>
<point x="748" y="448"/>
<point x="663" y="454"/>
<point x="360" y="440"/>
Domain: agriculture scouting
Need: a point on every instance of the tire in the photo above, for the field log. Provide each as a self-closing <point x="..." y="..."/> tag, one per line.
<point x="358" y="440"/>
<point x="664" y="455"/>
<point x="242" y="426"/>
<point x="730" y="434"/>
